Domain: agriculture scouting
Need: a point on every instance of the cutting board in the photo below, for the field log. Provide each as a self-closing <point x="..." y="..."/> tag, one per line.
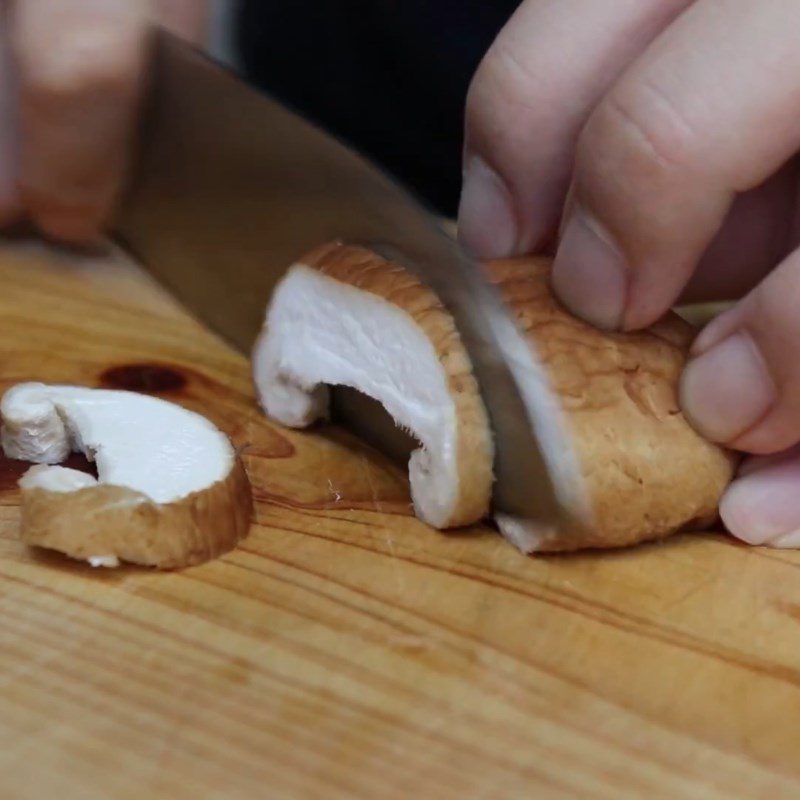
<point x="347" y="650"/>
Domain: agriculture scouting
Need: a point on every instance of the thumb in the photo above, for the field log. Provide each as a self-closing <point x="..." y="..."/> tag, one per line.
<point x="762" y="506"/>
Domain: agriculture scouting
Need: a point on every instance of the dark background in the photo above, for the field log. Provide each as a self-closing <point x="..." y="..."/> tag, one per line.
<point x="389" y="76"/>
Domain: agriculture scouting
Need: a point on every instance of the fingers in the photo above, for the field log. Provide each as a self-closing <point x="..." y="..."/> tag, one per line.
<point x="710" y="110"/>
<point x="755" y="237"/>
<point x="80" y="65"/>
<point x="742" y="388"/>
<point x="763" y="505"/>
<point x="526" y="105"/>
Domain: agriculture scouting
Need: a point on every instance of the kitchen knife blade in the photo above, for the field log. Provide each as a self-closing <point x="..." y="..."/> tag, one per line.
<point x="230" y="187"/>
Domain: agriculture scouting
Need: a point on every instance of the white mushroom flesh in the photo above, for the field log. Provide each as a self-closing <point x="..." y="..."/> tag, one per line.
<point x="56" y="479"/>
<point x="103" y="561"/>
<point x="323" y="331"/>
<point x="140" y="442"/>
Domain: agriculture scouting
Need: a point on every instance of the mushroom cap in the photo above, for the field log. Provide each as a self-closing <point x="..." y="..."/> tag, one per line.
<point x="170" y="491"/>
<point x="344" y="315"/>
<point x="647" y="471"/>
<point x="104" y="524"/>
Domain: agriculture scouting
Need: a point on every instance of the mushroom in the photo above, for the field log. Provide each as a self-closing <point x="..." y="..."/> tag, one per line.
<point x="170" y="489"/>
<point x="344" y="315"/>
<point x="646" y="472"/>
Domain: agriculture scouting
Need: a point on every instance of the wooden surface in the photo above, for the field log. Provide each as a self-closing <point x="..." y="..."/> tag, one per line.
<point x="345" y="650"/>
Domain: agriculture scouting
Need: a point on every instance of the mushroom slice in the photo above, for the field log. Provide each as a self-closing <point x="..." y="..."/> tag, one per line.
<point x="346" y="316"/>
<point x="170" y="492"/>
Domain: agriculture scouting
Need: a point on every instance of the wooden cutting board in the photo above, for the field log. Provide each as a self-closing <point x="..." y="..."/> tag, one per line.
<point x="346" y="650"/>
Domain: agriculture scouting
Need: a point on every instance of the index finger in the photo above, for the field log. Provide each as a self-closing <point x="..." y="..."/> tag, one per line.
<point x="80" y="73"/>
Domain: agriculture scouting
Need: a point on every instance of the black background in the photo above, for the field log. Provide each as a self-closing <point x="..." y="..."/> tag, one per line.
<point x="389" y="76"/>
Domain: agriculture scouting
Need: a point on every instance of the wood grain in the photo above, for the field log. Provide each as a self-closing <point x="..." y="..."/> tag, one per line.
<point x="348" y="651"/>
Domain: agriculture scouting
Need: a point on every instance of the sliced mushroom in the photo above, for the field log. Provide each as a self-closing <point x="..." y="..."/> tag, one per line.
<point x="170" y="489"/>
<point x="344" y="315"/>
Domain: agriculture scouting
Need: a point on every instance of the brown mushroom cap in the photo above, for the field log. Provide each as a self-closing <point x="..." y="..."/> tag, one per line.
<point x="113" y="522"/>
<point x="648" y="473"/>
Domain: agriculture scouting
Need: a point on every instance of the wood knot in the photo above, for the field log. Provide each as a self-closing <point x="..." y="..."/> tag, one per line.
<point x="145" y="378"/>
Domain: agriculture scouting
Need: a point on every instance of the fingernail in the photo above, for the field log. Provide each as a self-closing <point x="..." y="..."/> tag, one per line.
<point x="728" y="389"/>
<point x="486" y="223"/>
<point x="718" y="329"/>
<point x="764" y="506"/>
<point x="590" y="272"/>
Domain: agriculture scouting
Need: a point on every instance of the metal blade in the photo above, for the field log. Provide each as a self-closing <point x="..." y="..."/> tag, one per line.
<point x="231" y="187"/>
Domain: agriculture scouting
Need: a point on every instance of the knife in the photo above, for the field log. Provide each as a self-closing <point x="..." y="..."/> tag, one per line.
<point x="230" y="187"/>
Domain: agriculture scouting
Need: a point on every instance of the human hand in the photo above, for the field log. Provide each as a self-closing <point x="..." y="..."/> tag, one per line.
<point x="667" y="131"/>
<point x="72" y="75"/>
